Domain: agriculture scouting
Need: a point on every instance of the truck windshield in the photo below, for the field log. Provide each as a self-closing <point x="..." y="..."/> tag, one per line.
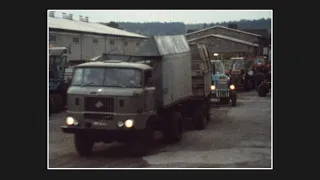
<point x="107" y="77"/>
<point x="219" y="67"/>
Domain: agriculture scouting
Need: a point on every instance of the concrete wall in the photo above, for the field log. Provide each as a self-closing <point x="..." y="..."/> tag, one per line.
<point x="86" y="46"/>
<point x="225" y="32"/>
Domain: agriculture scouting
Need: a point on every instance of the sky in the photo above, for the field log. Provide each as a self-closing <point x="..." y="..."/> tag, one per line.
<point x="186" y="16"/>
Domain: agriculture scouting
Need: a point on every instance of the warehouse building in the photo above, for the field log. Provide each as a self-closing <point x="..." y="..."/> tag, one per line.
<point x="87" y="40"/>
<point x="233" y="33"/>
<point x="220" y="44"/>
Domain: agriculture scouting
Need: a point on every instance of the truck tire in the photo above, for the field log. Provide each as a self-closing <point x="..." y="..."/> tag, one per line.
<point x="199" y="118"/>
<point x="149" y="132"/>
<point x="173" y="129"/>
<point x="83" y="144"/>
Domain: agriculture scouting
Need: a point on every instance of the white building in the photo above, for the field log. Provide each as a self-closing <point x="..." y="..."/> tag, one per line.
<point x="87" y="40"/>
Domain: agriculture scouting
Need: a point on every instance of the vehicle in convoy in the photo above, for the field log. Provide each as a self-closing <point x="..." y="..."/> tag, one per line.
<point x="222" y="88"/>
<point x="240" y="75"/>
<point x="260" y="61"/>
<point x="57" y="85"/>
<point x="127" y="100"/>
<point x="265" y="86"/>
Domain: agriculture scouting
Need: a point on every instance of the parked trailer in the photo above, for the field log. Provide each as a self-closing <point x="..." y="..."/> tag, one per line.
<point x="122" y="101"/>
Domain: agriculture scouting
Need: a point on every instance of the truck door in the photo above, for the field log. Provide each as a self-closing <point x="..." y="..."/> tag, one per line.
<point x="149" y="90"/>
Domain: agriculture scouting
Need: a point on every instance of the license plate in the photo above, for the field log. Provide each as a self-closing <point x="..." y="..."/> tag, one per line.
<point x="99" y="123"/>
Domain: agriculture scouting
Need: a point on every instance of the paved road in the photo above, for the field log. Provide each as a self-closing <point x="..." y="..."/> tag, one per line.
<point x="235" y="137"/>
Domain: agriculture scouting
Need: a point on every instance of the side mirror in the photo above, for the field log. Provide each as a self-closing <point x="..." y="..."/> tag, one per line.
<point x="149" y="82"/>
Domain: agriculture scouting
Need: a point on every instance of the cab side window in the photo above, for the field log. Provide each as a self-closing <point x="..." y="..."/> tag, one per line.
<point x="148" y="81"/>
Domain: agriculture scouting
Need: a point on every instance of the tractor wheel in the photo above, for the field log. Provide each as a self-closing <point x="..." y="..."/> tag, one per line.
<point x="234" y="100"/>
<point x="262" y="92"/>
<point x="247" y="85"/>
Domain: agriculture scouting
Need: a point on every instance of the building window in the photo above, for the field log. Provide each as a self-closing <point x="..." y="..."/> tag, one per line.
<point x="76" y="40"/>
<point x="52" y="38"/>
<point x="125" y="43"/>
<point x="95" y="41"/>
<point x="111" y="41"/>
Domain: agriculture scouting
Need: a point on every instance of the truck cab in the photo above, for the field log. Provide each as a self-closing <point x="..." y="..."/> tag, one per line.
<point x="113" y="92"/>
<point x="57" y="83"/>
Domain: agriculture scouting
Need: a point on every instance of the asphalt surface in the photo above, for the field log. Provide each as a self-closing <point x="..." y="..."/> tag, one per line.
<point x="236" y="137"/>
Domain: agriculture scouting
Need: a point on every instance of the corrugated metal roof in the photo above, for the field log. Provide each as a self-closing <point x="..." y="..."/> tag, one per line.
<point x="225" y="37"/>
<point x="164" y="45"/>
<point x="76" y="25"/>
<point x="115" y="65"/>
<point x="223" y="27"/>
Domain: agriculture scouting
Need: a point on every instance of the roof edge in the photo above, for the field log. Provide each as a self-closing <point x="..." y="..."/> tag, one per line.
<point x="213" y="27"/>
<point x="220" y="36"/>
<point x="94" y="33"/>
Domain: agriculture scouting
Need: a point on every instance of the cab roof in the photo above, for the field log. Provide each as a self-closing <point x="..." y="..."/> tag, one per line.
<point x="115" y="64"/>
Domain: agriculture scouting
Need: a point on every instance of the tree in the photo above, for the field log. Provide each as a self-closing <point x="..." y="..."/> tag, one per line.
<point x="112" y="24"/>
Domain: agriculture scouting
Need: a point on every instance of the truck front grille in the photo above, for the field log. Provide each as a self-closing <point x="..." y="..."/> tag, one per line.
<point x="94" y="116"/>
<point x="98" y="104"/>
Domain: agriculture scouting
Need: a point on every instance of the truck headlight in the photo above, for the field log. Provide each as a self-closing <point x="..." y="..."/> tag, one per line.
<point x="129" y="123"/>
<point x="232" y="87"/>
<point x="71" y="121"/>
<point x="213" y="87"/>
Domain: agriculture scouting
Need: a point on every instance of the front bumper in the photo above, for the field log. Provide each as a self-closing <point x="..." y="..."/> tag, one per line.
<point x="222" y="93"/>
<point x="74" y="129"/>
<point x="140" y="121"/>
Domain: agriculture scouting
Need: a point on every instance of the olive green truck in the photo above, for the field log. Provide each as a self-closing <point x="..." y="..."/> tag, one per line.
<point x="128" y="98"/>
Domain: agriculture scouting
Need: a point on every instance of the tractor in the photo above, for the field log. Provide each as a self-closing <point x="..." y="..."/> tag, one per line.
<point x="57" y="84"/>
<point x="239" y="73"/>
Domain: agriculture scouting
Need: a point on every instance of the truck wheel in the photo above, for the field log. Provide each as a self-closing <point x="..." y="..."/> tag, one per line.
<point x="83" y="144"/>
<point x="173" y="129"/>
<point x="149" y="132"/>
<point x="234" y="100"/>
<point x="199" y="118"/>
<point x="262" y="91"/>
